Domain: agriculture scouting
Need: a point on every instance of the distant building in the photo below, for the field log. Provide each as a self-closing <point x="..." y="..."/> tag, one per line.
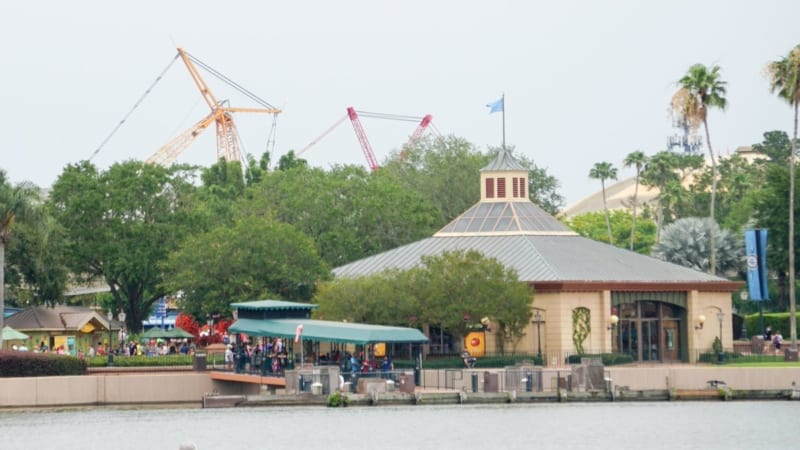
<point x="75" y="328"/>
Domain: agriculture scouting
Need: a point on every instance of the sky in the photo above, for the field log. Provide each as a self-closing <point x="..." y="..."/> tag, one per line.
<point x="584" y="81"/>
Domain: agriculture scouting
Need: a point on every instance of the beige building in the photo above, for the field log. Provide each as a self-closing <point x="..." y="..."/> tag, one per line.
<point x="626" y="302"/>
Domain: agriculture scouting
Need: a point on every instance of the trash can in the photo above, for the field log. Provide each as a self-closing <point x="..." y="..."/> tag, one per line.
<point x="199" y="361"/>
<point x="316" y="388"/>
<point x="474" y="381"/>
<point x="491" y="382"/>
<point x="528" y="381"/>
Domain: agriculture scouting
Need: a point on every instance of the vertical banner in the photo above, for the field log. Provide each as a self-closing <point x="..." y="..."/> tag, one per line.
<point x="755" y="247"/>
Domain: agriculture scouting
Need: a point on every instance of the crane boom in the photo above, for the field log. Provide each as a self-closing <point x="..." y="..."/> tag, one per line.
<point x="362" y="139"/>
<point x="229" y="144"/>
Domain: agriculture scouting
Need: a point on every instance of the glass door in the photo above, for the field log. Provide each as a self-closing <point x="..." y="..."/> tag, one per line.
<point x="650" y="337"/>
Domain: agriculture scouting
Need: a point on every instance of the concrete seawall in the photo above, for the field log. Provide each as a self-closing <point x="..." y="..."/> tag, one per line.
<point x="187" y="387"/>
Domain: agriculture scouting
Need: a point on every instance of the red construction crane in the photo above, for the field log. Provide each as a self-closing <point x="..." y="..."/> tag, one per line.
<point x="353" y="115"/>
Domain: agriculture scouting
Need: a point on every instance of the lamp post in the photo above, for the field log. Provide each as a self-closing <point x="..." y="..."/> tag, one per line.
<point x="720" y="317"/>
<point x="743" y="296"/>
<point x="110" y="316"/>
<point x="537" y="319"/>
<point x="124" y="335"/>
<point x="612" y="324"/>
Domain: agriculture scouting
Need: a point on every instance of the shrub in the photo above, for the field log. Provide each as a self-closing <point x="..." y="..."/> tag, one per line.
<point x="141" y="361"/>
<point x="338" y="399"/>
<point x="609" y="359"/>
<point x="30" y="364"/>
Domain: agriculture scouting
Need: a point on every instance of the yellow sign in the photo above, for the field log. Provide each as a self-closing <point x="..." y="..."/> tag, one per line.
<point x="380" y="349"/>
<point x="88" y="328"/>
<point x="475" y="343"/>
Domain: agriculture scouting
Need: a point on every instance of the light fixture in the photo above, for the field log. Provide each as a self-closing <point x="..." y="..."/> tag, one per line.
<point x="701" y="319"/>
<point x="613" y="321"/>
<point x="110" y="316"/>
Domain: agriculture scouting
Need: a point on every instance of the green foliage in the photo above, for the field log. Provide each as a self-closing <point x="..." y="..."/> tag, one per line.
<point x="686" y="242"/>
<point x="455" y="362"/>
<point x="348" y="212"/>
<point x="120" y="224"/>
<point x="609" y="359"/>
<point x="779" y="321"/>
<point x="338" y="399"/>
<point x="143" y="361"/>
<point x="31" y="364"/>
<point x="581" y="327"/>
<point x="442" y="292"/>
<point x="592" y="225"/>
<point x="716" y="346"/>
<point x="255" y="258"/>
<point x="36" y="263"/>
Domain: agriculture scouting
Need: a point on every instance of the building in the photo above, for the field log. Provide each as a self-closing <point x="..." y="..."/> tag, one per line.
<point x="75" y="328"/>
<point x="631" y="303"/>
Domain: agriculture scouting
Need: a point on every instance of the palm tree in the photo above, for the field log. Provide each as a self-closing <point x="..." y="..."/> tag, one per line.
<point x="636" y="159"/>
<point x="15" y="202"/>
<point x="784" y="78"/>
<point x="658" y="172"/>
<point x="604" y="171"/>
<point x="700" y="89"/>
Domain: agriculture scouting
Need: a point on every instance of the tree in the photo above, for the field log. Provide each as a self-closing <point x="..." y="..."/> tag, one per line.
<point x="638" y="160"/>
<point x="700" y="89"/>
<point x="603" y="171"/>
<point x="685" y="242"/>
<point x="120" y="224"/>
<point x="784" y="79"/>
<point x="660" y="170"/>
<point x="37" y="262"/>
<point x="592" y="225"/>
<point x="450" y="291"/>
<point x="16" y="203"/>
<point x="348" y="212"/>
<point x="255" y="258"/>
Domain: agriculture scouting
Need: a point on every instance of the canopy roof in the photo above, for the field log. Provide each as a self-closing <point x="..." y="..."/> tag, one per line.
<point x="174" y="333"/>
<point x="272" y="305"/>
<point x="10" y="334"/>
<point x="328" y="331"/>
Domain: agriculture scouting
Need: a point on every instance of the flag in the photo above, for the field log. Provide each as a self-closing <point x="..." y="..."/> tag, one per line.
<point x="756" y="255"/>
<point x="298" y="332"/>
<point x="496" y="106"/>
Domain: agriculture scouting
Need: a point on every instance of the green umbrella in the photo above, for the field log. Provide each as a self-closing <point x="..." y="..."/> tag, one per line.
<point x="10" y="334"/>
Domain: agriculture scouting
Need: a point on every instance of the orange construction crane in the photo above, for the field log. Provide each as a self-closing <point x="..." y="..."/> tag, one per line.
<point x="228" y="142"/>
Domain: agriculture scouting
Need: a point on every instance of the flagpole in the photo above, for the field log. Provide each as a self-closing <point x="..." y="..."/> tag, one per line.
<point x="504" y="119"/>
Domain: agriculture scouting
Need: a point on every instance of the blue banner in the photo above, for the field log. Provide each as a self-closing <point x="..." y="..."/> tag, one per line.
<point x="755" y="247"/>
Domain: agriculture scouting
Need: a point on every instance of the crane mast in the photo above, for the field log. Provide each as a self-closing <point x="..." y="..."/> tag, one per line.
<point x="228" y="142"/>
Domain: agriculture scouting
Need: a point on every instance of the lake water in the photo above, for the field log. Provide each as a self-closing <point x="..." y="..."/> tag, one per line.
<point x="663" y="425"/>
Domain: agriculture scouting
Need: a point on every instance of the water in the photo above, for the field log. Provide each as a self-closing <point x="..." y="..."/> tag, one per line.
<point x="663" y="425"/>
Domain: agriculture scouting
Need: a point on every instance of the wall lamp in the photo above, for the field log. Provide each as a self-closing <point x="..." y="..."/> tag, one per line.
<point x="701" y="319"/>
<point x="613" y="321"/>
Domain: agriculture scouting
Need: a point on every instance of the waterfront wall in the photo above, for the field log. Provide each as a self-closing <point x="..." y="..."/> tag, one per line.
<point x="105" y="389"/>
<point x="697" y="377"/>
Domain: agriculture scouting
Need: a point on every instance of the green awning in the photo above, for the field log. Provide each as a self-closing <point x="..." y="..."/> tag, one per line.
<point x="174" y="333"/>
<point x="328" y="331"/>
<point x="10" y="334"/>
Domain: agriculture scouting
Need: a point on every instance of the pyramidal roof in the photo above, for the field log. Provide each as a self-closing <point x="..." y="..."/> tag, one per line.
<point x="507" y="226"/>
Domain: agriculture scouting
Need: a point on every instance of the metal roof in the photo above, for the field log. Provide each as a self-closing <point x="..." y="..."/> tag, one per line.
<point x="538" y="258"/>
<point x="273" y="305"/>
<point x="57" y="318"/>
<point x="328" y="331"/>
<point x="515" y="217"/>
<point x="503" y="162"/>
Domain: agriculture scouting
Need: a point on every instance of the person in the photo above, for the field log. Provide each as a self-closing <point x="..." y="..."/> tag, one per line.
<point x="777" y="340"/>
<point x="354" y="365"/>
<point x="386" y="366"/>
<point x="229" y="356"/>
<point x="91" y="352"/>
<point x="469" y="361"/>
<point x="768" y="334"/>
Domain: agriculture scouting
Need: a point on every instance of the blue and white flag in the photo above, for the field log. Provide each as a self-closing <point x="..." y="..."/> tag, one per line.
<point x="755" y="248"/>
<point x="496" y="106"/>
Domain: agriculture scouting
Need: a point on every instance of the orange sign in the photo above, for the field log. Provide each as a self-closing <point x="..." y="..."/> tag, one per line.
<point x="475" y="343"/>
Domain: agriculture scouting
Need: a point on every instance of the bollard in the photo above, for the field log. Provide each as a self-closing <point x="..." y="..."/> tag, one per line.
<point x="474" y="381"/>
<point x="529" y="382"/>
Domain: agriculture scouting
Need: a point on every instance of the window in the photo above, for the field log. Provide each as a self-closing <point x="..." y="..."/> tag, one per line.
<point x="522" y="187"/>
<point x="515" y="187"/>
<point x="490" y="188"/>
<point x="501" y="188"/>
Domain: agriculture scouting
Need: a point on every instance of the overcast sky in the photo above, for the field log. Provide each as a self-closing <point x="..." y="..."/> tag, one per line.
<point x="585" y="81"/>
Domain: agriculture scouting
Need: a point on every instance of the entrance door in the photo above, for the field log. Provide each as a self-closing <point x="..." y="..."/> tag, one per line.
<point x="628" y="338"/>
<point x="650" y="340"/>
<point x="671" y="340"/>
